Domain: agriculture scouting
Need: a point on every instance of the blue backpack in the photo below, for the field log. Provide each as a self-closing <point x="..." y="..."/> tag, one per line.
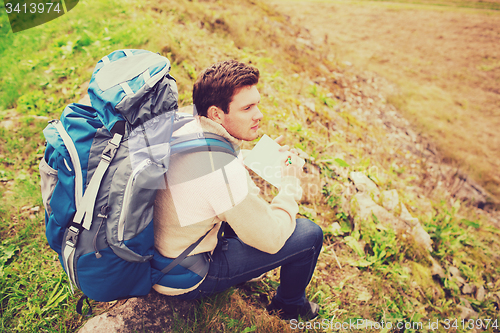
<point x="102" y="167"/>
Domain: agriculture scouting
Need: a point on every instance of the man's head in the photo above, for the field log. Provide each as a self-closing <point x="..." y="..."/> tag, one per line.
<point x="226" y="93"/>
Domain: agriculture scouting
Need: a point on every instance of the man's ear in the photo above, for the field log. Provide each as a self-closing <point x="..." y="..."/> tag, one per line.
<point x="215" y="114"/>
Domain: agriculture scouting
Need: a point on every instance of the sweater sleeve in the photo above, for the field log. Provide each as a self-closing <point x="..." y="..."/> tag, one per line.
<point x="262" y="225"/>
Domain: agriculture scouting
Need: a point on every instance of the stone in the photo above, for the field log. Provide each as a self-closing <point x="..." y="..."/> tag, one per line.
<point x="335" y="229"/>
<point x="389" y="200"/>
<point x="496" y="297"/>
<point x="364" y="184"/>
<point x="151" y="313"/>
<point x="455" y="275"/>
<point x="467" y="289"/>
<point x="436" y="269"/>
<point x="345" y="197"/>
<point x="363" y="207"/>
<point x="406" y="216"/>
<point x="480" y="294"/>
<point x="421" y="236"/>
<point x="312" y="184"/>
<point x="467" y="313"/>
<point x="7" y="124"/>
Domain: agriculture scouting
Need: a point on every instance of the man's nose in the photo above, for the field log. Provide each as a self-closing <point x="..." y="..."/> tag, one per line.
<point x="258" y="115"/>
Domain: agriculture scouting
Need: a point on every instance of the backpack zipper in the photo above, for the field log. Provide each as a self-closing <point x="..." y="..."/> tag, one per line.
<point x="94" y="242"/>
<point x="103" y="216"/>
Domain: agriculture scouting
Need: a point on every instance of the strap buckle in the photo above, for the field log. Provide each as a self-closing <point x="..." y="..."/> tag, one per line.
<point x="109" y="151"/>
<point x="72" y="236"/>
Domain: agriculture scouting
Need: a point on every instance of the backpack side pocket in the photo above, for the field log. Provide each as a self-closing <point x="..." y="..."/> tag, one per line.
<point x="48" y="179"/>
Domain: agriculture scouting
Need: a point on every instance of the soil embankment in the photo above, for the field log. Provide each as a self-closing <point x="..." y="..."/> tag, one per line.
<point x="444" y="63"/>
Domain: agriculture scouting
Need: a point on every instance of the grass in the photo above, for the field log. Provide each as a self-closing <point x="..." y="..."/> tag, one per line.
<point x="384" y="275"/>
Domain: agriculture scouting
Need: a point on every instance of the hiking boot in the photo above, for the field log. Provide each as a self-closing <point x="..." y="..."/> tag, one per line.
<point x="307" y="311"/>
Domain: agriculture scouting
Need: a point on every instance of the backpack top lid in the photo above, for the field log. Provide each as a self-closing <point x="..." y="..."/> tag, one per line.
<point x="132" y="85"/>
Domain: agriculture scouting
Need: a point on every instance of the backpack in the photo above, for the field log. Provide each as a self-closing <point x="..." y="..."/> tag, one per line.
<point x="102" y="167"/>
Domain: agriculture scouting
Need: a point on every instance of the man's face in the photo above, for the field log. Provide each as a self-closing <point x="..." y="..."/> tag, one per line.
<point x="244" y="116"/>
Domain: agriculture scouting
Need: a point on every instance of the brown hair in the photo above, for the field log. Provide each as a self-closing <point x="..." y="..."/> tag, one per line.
<point x="217" y="84"/>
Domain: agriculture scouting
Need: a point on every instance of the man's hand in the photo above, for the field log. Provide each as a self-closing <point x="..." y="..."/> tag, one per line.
<point x="279" y="140"/>
<point x="290" y="165"/>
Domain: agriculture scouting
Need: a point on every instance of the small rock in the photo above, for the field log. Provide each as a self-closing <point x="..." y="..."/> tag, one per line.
<point x="421" y="236"/>
<point x="7" y="124"/>
<point x="364" y="296"/>
<point x="496" y="297"/>
<point x="390" y="200"/>
<point x="480" y="294"/>
<point x="363" y="207"/>
<point x="467" y="289"/>
<point x="467" y="313"/>
<point x="436" y="269"/>
<point x="455" y="274"/>
<point x="335" y="229"/>
<point x="406" y="216"/>
<point x="364" y="184"/>
<point x="465" y="303"/>
<point x="312" y="185"/>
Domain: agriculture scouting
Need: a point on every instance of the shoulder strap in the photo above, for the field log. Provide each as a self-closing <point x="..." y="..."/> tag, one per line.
<point x="86" y="208"/>
<point x="190" y="143"/>
<point x="185" y="253"/>
<point x="187" y="143"/>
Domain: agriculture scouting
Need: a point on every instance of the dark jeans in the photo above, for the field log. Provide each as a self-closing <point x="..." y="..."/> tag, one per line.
<point x="235" y="262"/>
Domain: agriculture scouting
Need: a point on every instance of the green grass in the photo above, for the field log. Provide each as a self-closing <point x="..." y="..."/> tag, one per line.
<point x="384" y="275"/>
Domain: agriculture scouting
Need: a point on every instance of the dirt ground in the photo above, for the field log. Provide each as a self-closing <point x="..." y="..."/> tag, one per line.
<point x="444" y="61"/>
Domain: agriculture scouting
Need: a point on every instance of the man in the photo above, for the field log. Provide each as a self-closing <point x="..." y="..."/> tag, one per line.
<point x="259" y="236"/>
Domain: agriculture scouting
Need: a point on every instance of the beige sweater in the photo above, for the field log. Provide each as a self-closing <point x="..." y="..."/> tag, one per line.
<point x="195" y="200"/>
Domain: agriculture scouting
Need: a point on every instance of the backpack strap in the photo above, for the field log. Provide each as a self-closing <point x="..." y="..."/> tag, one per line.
<point x="86" y="207"/>
<point x="185" y="253"/>
<point x="75" y="159"/>
<point x="214" y="142"/>
<point x="189" y="143"/>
